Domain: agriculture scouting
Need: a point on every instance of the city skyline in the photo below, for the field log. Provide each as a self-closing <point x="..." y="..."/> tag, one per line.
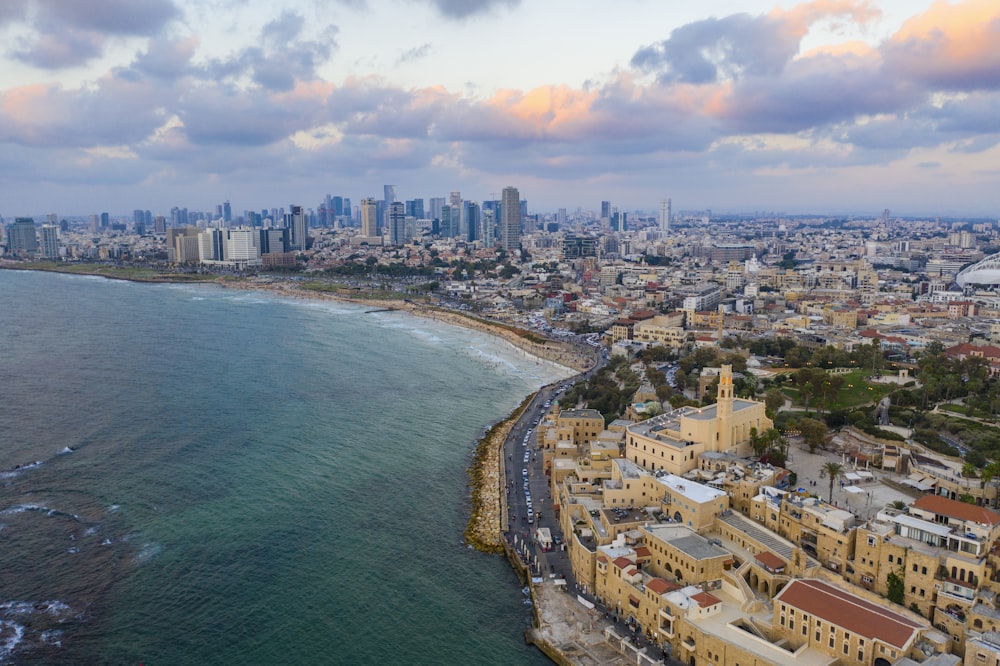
<point x="829" y="106"/>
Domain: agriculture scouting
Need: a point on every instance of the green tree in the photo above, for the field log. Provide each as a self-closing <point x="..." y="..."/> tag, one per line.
<point x="774" y="400"/>
<point x="813" y="432"/>
<point x="895" y="590"/>
<point x="831" y="470"/>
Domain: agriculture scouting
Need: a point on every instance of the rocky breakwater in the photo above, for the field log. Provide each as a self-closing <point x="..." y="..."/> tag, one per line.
<point x="484" y="531"/>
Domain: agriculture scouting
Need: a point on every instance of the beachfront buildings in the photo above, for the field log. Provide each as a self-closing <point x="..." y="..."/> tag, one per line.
<point x="673" y="442"/>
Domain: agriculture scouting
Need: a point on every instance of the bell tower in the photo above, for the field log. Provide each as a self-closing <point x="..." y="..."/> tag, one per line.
<point x="724" y="408"/>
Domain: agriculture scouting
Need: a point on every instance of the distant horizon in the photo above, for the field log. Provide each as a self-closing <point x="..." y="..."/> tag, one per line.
<point x="720" y="104"/>
<point x="716" y="213"/>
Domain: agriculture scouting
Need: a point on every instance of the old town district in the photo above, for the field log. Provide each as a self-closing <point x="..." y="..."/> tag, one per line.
<point x="673" y="527"/>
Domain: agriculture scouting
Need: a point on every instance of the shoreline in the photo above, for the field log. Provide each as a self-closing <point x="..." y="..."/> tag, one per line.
<point x="484" y="529"/>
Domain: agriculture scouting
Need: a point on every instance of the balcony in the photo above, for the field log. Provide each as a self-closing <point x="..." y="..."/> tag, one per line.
<point x="688" y="644"/>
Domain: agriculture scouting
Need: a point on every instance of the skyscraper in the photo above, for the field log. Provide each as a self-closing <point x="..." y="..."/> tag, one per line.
<point x="489" y="224"/>
<point x="665" y="216"/>
<point x="397" y="223"/>
<point x="50" y="241"/>
<point x="448" y="221"/>
<point x="298" y="228"/>
<point x="471" y="217"/>
<point x="21" y="237"/>
<point x="605" y="210"/>
<point x="369" y="217"/>
<point x="510" y="219"/>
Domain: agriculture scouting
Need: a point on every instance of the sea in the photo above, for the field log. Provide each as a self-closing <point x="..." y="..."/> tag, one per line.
<point x="191" y="474"/>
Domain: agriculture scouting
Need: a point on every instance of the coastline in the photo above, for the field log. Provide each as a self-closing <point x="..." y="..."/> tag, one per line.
<point x="484" y="529"/>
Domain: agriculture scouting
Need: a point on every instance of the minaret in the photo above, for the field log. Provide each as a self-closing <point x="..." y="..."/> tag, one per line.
<point x="724" y="409"/>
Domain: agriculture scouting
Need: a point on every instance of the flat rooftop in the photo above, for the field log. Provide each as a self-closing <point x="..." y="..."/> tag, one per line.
<point x="692" y="490"/>
<point x="687" y="541"/>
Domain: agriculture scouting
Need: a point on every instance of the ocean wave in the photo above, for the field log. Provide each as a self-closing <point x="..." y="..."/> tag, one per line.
<point x="11" y="635"/>
<point x="14" y="471"/>
<point x="149" y="551"/>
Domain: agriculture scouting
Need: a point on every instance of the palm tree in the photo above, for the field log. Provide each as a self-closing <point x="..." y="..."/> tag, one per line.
<point x="832" y="470"/>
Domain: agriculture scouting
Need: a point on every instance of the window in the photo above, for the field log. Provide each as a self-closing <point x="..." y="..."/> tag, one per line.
<point x="871" y="541"/>
<point x="817" y="636"/>
<point x="923" y="570"/>
<point x="847" y="648"/>
<point x="831" y="640"/>
<point x="805" y="628"/>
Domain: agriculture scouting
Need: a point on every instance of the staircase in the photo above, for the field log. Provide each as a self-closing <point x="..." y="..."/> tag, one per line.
<point x="765" y="538"/>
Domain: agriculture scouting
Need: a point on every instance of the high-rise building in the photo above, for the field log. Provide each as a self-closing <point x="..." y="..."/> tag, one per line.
<point x="210" y="245"/>
<point x="415" y="209"/>
<point x="489" y="226"/>
<point x="21" y="237"/>
<point x="50" y="242"/>
<point x="273" y="241"/>
<point x="105" y="220"/>
<point x="298" y="228"/>
<point x="227" y="212"/>
<point x="435" y="207"/>
<point x="448" y="226"/>
<point x="665" y="216"/>
<point x="369" y="217"/>
<point x="605" y="210"/>
<point x="397" y="223"/>
<point x="510" y="219"/>
<point x="472" y="223"/>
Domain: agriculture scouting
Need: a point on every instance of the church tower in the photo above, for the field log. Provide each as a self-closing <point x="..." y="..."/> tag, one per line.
<point x="724" y="409"/>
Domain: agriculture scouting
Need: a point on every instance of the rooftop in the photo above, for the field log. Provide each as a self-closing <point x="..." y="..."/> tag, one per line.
<point x="954" y="509"/>
<point x="687" y="541"/>
<point x="851" y="612"/>
<point x="692" y="490"/>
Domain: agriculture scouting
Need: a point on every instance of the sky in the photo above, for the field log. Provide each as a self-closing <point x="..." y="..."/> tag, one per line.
<point x="828" y="106"/>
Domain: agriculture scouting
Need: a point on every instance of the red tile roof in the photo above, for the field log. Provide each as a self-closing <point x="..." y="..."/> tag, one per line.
<point x="852" y="613"/>
<point x="622" y="562"/>
<point x="955" y="509"/>
<point x="705" y="599"/>
<point x="642" y="552"/>
<point x="660" y="586"/>
<point x="770" y="560"/>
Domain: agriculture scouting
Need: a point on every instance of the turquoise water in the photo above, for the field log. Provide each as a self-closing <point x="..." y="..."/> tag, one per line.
<point x="194" y="475"/>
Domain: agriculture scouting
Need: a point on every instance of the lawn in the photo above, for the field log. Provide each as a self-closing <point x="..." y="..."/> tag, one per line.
<point x="855" y="391"/>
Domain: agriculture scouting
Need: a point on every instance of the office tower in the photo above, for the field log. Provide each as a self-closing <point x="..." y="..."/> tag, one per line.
<point x="50" y="242"/>
<point x="415" y="209"/>
<point x="298" y="228"/>
<point x="105" y="220"/>
<point x="605" y="210"/>
<point x="138" y="217"/>
<point x="458" y="222"/>
<point x="210" y="245"/>
<point x="561" y="217"/>
<point x="272" y="241"/>
<point x="447" y="226"/>
<point x="397" y="223"/>
<point x="160" y="224"/>
<point x="240" y="245"/>
<point x="21" y="237"/>
<point x="664" y="216"/>
<point x="489" y="225"/>
<point x="369" y="217"/>
<point x="227" y="212"/>
<point x="510" y="219"/>
<point x="435" y="207"/>
<point x="471" y="217"/>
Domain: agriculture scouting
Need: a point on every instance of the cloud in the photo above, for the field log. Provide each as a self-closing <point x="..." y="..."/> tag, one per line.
<point x="414" y="54"/>
<point x="739" y="45"/>
<point x="953" y="47"/>
<point x="463" y="9"/>
<point x="280" y="58"/>
<point x="65" y="34"/>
